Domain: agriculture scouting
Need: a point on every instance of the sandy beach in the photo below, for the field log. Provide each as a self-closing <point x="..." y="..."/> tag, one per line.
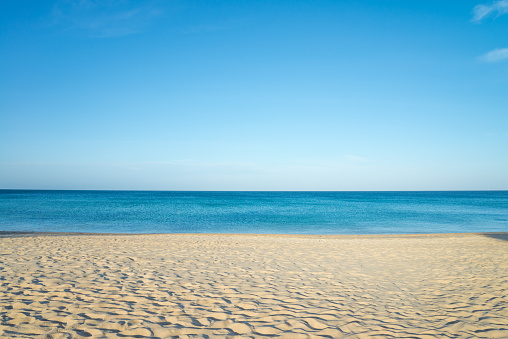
<point x="243" y="286"/>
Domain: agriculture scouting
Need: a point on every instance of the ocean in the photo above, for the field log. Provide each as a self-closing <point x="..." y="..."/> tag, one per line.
<point x="254" y="212"/>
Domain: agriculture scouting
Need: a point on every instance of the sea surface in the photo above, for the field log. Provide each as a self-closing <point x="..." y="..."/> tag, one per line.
<point x="254" y="212"/>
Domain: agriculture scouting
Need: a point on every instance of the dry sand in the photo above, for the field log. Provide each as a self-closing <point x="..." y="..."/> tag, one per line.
<point x="163" y="286"/>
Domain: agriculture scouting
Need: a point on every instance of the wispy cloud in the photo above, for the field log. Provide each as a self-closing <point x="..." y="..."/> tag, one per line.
<point x="355" y="159"/>
<point x="498" y="54"/>
<point x="496" y="135"/>
<point x="497" y="8"/>
<point x="104" y="18"/>
<point x="211" y="27"/>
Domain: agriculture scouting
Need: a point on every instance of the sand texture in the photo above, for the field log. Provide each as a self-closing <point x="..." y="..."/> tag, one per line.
<point x="243" y="286"/>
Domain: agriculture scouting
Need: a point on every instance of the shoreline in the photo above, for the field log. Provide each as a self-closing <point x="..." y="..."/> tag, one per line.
<point x="7" y="234"/>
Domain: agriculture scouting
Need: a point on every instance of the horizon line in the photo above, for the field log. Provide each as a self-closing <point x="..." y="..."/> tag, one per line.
<point x="247" y="191"/>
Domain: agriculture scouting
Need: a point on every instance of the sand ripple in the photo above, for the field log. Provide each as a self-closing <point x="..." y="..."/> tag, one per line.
<point x="243" y="286"/>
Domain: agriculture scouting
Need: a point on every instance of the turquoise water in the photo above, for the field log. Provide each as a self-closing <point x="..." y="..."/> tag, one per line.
<point x="254" y="212"/>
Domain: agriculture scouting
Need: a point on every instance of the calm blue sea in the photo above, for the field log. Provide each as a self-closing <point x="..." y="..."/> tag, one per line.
<point x="254" y="212"/>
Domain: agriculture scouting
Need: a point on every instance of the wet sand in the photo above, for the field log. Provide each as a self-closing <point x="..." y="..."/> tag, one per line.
<point x="242" y="286"/>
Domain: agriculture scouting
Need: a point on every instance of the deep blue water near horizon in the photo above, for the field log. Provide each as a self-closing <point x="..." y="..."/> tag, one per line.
<point x="254" y="212"/>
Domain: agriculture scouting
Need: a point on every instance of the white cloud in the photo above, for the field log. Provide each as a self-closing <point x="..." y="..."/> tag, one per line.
<point x="104" y="18"/>
<point x="496" y="55"/>
<point x="497" y="8"/>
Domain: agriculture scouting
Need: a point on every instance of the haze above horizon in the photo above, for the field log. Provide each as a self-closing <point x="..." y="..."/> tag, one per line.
<point x="208" y="95"/>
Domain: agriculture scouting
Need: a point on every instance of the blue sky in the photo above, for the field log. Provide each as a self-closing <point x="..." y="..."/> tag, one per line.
<point x="254" y="95"/>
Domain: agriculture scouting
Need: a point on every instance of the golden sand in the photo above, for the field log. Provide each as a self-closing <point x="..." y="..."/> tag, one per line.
<point x="242" y="286"/>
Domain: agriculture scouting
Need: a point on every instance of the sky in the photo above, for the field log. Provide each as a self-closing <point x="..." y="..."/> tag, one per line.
<point x="254" y="95"/>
